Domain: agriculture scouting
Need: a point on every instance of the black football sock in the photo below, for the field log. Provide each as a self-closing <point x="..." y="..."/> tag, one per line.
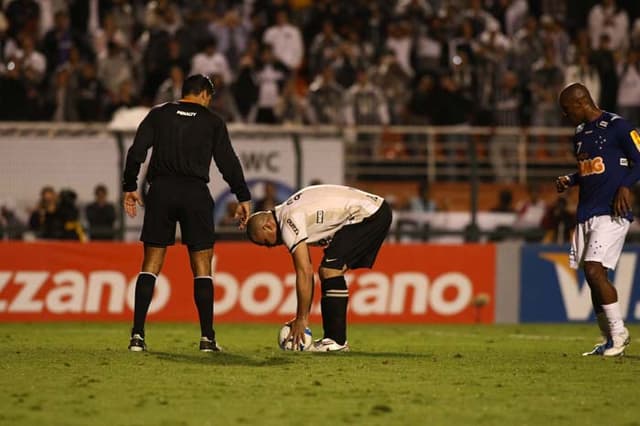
<point x="203" y="295"/>
<point x="335" y="298"/>
<point x="144" y="292"/>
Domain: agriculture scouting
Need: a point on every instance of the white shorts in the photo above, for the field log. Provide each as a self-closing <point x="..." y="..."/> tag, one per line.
<point x="599" y="239"/>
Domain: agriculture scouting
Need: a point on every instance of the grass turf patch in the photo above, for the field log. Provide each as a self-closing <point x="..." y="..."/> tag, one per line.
<point x="82" y="374"/>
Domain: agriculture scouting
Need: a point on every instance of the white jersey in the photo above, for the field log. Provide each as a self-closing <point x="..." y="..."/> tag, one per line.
<point x="314" y="214"/>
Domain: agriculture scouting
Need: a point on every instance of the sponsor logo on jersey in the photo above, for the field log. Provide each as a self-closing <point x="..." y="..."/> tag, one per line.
<point x="603" y="124"/>
<point x="293" y="226"/>
<point x="186" y="113"/>
<point x="624" y="162"/>
<point x="635" y="137"/>
<point x="320" y="216"/>
<point x="592" y="166"/>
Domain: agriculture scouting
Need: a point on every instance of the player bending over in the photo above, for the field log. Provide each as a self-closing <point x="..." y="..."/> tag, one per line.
<point x="607" y="149"/>
<point x="350" y="224"/>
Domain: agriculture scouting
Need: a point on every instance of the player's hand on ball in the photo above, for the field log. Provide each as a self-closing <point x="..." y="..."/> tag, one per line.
<point x="297" y="331"/>
<point x="562" y="183"/>
<point x="130" y="201"/>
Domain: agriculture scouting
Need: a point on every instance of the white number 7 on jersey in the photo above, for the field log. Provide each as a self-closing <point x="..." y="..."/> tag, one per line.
<point x="579" y="146"/>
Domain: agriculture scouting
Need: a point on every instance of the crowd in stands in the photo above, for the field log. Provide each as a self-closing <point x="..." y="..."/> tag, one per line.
<point x="443" y="62"/>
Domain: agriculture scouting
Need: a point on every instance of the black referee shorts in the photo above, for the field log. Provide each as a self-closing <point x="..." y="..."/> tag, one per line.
<point x="357" y="245"/>
<point x="185" y="200"/>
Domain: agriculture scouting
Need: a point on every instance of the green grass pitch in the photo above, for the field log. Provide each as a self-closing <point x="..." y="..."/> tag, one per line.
<point x="82" y="374"/>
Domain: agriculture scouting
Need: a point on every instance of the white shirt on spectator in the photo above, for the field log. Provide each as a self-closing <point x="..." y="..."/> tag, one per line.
<point x="629" y="86"/>
<point x="607" y="21"/>
<point x="515" y="15"/>
<point x="34" y="60"/>
<point x="286" y="42"/>
<point x="268" y="79"/>
<point x="401" y="47"/>
<point x="211" y="64"/>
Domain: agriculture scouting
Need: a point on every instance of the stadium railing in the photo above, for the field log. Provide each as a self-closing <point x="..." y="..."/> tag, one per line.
<point x="393" y="153"/>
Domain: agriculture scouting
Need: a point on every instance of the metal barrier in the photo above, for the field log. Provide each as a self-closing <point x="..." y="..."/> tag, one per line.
<point x="394" y="153"/>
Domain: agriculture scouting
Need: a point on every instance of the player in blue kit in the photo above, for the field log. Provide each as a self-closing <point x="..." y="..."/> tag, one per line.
<point x="607" y="148"/>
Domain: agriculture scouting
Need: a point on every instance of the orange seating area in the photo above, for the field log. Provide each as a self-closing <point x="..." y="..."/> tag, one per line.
<point x="456" y="196"/>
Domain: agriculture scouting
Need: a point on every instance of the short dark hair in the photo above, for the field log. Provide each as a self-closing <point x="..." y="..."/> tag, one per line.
<point x="195" y="84"/>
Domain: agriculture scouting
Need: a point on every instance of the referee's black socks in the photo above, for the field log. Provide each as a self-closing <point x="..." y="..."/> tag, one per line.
<point x="144" y="292"/>
<point x="335" y="298"/>
<point x="203" y="296"/>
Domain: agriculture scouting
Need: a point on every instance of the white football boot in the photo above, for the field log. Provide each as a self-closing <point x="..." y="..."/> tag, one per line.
<point x="619" y="343"/>
<point x="328" y="345"/>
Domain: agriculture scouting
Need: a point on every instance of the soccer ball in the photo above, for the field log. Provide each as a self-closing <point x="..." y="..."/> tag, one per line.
<point x="287" y="345"/>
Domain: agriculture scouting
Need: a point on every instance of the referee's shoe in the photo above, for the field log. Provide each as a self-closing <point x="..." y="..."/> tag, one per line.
<point x="209" y="345"/>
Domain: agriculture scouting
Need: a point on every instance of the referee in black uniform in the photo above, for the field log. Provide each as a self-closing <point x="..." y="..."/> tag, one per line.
<point x="185" y="135"/>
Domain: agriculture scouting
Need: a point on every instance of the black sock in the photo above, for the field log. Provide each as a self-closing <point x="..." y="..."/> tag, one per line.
<point x="203" y="295"/>
<point x="335" y="298"/>
<point x="144" y="292"/>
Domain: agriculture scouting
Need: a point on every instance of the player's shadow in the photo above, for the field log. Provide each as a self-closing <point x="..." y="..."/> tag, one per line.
<point x="221" y="358"/>
<point x="405" y="355"/>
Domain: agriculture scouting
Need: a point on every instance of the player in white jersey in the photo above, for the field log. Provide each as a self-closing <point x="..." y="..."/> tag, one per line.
<point x="350" y="224"/>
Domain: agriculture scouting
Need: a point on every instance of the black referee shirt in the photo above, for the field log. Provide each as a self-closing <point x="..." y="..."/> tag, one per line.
<point x="184" y="136"/>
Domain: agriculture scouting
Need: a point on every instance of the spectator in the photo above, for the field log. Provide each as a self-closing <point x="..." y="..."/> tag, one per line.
<point x="11" y="227"/>
<point x="503" y="149"/>
<point x="505" y="200"/>
<point x="62" y="96"/>
<point x="90" y="94"/>
<point x="526" y="50"/>
<point x="101" y="215"/>
<point x="245" y="88"/>
<point x="270" y="77"/>
<point x="293" y="108"/>
<point x="553" y="34"/>
<point x="209" y="61"/>
<point x="223" y="102"/>
<point x="428" y="48"/>
<point x="286" y="41"/>
<point x="171" y="89"/>
<point x="421" y="106"/>
<point x="59" y="41"/>
<point x="69" y="216"/>
<point x="515" y="14"/>
<point x="325" y="99"/>
<point x="114" y="69"/>
<point x="270" y="198"/>
<point x="423" y="201"/>
<point x="394" y="81"/>
<point x="629" y="87"/>
<point x="324" y="48"/>
<point x="582" y="72"/>
<point x="607" y="18"/>
<point x="603" y="60"/>
<point x="364" y="103"/>
<point x="109" y="33"/>
<point x="232" y="36"/>
<point x="558" y="222"/>
<point x="125" y="98"/>
<point x="400" y="42"/>
<point x="32" y="63"/>
<point x="13" y="102"/>
<point x="546" y="82"/>
<point x="530" y="212"/>
<point x="45" y="221"/>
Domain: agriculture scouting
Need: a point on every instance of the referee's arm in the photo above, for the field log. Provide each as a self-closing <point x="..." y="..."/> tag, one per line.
<point x="137" y="154"/>
<point x="135" y="157"/>
<point x="227" y="162"/>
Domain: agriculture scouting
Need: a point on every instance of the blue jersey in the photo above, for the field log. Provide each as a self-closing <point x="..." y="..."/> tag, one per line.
<point x="608" y="154"/>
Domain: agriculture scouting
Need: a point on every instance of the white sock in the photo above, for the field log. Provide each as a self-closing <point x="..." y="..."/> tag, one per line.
<point x="603" y="323"/>
<point x="612" y="311"/>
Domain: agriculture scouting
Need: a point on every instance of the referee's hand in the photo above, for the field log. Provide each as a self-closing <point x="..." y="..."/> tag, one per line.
<point x="243" y="211"/>
<point x="130" y="201"/>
